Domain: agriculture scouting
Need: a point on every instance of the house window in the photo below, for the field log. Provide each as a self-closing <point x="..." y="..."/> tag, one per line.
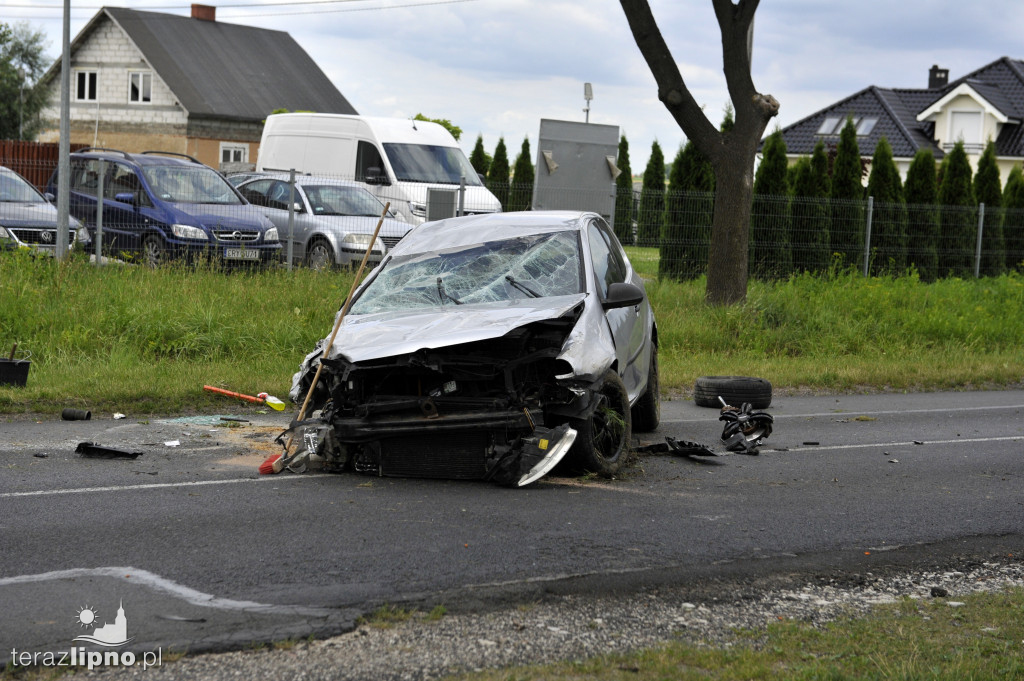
<point x="85" y="86"/>
<point x="965" y="126"/>
<point x="829" y="126"/>
<point x="140" y="87"/>
<point x="865" y="126"/>
<point x="234" y="153"/>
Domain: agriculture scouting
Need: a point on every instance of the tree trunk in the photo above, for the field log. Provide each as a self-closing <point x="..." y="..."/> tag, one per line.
<point x="731" y="153"/>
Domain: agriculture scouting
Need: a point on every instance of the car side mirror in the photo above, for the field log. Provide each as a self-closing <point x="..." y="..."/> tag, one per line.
<point x="623" y="295"/>
<point x="126" y="197"/>
<point x="297" y="207"/>
<point x="49" y="197"/>
<point x="375" y="175"/>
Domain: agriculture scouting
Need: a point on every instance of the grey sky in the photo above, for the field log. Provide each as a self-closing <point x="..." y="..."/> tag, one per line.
<point x="496" y="67"/>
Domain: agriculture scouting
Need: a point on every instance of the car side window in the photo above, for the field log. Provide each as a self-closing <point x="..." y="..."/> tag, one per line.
<point x="367" y="156"/>
<point x="609" y="267"/>
<point x="121" y="179"/>
<point x="277" y="197"/>
<point x="256" y="192"/>
<point x="84" y="176"/>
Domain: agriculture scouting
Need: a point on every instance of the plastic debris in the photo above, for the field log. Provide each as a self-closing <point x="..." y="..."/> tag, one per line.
<point x="118" y="416"/>
<point x="94" y="451"/>
<point x="745" y="430"/>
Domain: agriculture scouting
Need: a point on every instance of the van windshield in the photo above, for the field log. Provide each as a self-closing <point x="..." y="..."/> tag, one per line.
<point x="430" y="163"/>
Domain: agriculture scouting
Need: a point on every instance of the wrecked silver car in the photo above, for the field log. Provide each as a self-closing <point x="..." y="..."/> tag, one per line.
<point x="488" y="347"/>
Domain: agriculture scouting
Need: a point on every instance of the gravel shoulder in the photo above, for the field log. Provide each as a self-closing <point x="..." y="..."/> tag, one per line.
<point x="572" y="626"/>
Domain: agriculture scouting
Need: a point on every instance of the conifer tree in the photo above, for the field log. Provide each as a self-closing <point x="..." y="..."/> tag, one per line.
<point x="686" y="233"/>
<point x="770" y="252"/>
<point x="521" y="192"/>
<point x="652" y="199"/>
<point x="847" y="233"/>
<point x="889" y="221"/>
<point x="479" y="158"/>
<point x="809" y="235"/>
<point x="624" y="195"/>
<point x="987" y="190"/>
<point x="497" y="173"/>
<point x="1013" y="225"/>
<point x="958" y="222"/>
<point x="920" y="193"/>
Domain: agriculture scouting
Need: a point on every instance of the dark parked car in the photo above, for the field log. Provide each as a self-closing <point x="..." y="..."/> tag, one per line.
<point x="332" y="222"/>
<point x="27" y="218"/>
<point x="485" y="347"/>
<point x="159" y="205"/>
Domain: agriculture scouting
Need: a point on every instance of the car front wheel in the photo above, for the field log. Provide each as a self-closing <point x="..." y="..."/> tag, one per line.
<point x="320" y="255"/>
<point x="602" y="440"/>
<point x="154" y="251"/>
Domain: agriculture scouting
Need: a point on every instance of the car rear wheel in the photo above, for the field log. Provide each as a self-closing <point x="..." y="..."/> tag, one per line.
<point x="647" y="410"/>
<point x="154" y="251"/>
<point x="320" y="255"/>
<point x="602" y="441"/>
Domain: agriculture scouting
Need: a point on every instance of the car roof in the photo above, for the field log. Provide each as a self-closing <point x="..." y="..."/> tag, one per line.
<point x="475" y="229"/>
<point x="306" y="179"/>
<point x="154" y="158"/>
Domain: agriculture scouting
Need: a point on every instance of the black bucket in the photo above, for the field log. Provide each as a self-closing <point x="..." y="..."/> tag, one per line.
<point x="14" y="372"/>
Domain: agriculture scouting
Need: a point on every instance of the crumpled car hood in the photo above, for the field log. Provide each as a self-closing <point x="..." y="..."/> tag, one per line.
<point x="389" y="334"/>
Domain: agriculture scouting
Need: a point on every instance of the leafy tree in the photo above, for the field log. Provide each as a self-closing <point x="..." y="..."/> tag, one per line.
<point x="455" y="130"/>
<point x="1013" y="226"/>
<point x="521" y="191"/>
<point x="730" y="152"/>
<point x="624" y="199"/>
<point x="989" y="191"/>
<point x="770" y="251"/>
<point x="922" y="216"/>
<point x="652" y="199"/>
<point x="847" y="233"/>
<point x="497" y="173"/>
<point x="480" y="159"/>
<point x="958" y="222"/>
<point x="22" y="64"/>
<point x="810" y="212"/>
<point x="889" y="221"/>
<point x="688" y="204"/>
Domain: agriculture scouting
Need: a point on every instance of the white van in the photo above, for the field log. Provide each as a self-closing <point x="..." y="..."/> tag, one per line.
<point x="397" y="158"/>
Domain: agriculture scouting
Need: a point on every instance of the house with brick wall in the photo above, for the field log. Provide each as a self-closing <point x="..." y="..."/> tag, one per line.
<point x="986" y="104"/>
<point x="188" y="84"/>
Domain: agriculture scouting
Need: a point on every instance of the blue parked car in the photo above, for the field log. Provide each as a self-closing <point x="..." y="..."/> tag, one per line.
<point x="161" y="205"/>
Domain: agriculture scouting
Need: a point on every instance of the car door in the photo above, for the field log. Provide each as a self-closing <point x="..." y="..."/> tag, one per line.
<point x="126" y="222"/>
<point x="272" y="197"/>
<point x="624" y="323"/>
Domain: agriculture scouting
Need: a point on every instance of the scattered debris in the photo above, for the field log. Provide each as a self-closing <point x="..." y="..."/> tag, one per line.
<point x="41" y="456"/>
<point x="234" y="419"/>
<point x="745" y="430"/>
<point x="918" y="442"/>
<point x="95" y="451"/>
<point x="70" y="414"/>
<point x="939" y="592"/>
<point x="262" y="398"/>
<point x="677" y="448"/>
<point x="172" y="443"/>
<point x="894" y="460"/>
<point x="118" y="416"/>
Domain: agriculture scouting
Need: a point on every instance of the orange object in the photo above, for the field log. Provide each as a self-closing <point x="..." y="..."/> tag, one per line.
<point x="229" y="393"/>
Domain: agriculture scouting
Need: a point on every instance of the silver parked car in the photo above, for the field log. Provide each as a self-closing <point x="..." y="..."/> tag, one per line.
<point x="333" y="222"/>
<point x="489" y="347"/>
<point x="27" y="218"/>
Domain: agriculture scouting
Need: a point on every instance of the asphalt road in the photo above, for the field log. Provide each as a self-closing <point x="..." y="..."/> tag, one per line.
<point x="203" y="553"/>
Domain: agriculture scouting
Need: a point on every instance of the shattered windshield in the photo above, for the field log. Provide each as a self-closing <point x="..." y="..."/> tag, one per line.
<point x="535" y="266"/>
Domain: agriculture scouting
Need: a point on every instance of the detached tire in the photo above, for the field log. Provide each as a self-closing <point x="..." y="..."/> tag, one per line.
<point x="602" y="441"/>
<point x="735" y="390"/>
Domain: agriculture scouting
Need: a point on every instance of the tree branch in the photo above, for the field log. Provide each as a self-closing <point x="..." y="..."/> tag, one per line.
<point x="672" y="91"/>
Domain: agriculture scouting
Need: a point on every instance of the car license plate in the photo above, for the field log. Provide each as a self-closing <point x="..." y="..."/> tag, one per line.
<point x="241" y="254"/>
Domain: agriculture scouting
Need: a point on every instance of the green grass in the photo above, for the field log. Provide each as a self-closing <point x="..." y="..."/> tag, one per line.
<point x="911" y="640"/>
<point x="134" y="340"/>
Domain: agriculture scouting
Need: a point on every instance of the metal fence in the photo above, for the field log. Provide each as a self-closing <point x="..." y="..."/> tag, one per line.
<point x="156" y="213"/>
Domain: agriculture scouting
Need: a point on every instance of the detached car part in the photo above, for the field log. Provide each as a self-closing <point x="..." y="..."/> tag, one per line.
<point x="745" y="430"/>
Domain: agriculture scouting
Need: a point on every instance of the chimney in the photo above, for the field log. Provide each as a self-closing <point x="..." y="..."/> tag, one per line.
<point x="204" y="12"/>
<point x="937" y="78"/>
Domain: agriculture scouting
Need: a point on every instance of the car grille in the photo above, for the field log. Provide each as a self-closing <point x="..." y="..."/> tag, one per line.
<point x="391" y="241"/>
<point x="236" y="235"/>
<point x="45" y="238"/>
<point x="455" y="456"/>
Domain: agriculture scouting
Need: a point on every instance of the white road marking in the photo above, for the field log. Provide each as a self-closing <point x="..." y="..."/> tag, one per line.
<point x="918" y="443"/>
<point x="853" y="412"/>
<point x="128" y="488"/>
<point x="131" y="575"/>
